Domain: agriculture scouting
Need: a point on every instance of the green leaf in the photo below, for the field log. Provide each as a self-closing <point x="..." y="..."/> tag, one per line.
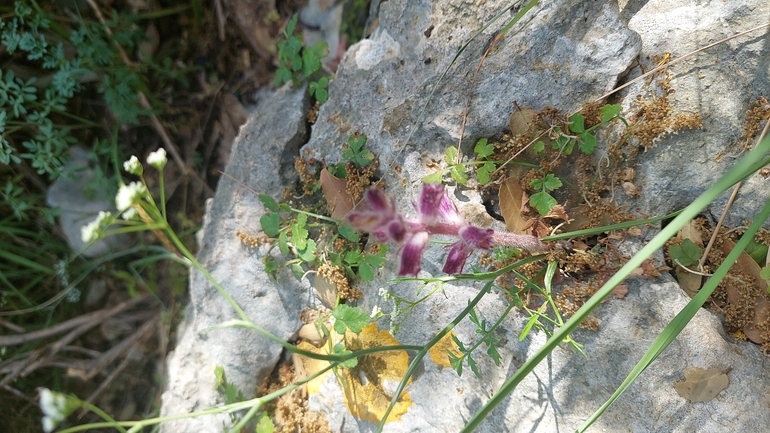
<point x="366" y="272"/>
<point x="528" y="327"/>
<point x="765" y="273"/>
<point x="455" y="361"/>
<point x="310" y="62"/>
<point x="538" y="147"/>
<point x="271" y="223"/>
<point x="433" y="177"/>
<point x="473" y="366"/>
<point x="687" y="253"/>
<point x="757" y="251"/>
<point x="351" y="318"/>
<point x="482" y="175"/>
<point x="610" y="111"/>
<point x="483" y="149"/>
<point x="282" y="75"/>
<point x="577" y="123"/>
<point x="265" y="424"/>
<point x="451" y="155"/>
<point x="270" y="264"/>
<point x="269" y="202"/>
<point x="587" y="143"/>
<point x="354" y="258"/>
<point x="283" y="242"/>
<point x="458" y="174"/>
<point x="219" y="376"/>
<point x="357" y="143"/>
<point x="299" y="233"/>
<point x="297" y="270"/>
<point x="494" y="354"/>
<point x="536" y="184"/>
<point x="291" y="25"/>
<point x="348" y="232"/>
<point x="322" y="95"/>
<point x="543" y="202"/>
<point x="339" y="349"/>
<point x="551" y="182"/>
<point x="308" y="255"/>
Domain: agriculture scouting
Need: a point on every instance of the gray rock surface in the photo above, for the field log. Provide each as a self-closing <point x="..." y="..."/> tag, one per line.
<point x="78" y="207"/>
<point x="262" y="160"/>
<point x="563" y="54"/>
<point x="720" y="83"/>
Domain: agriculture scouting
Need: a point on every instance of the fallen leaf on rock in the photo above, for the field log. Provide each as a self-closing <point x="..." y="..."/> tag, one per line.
<point x="701" y="385"/>
<point x="620" y="291"/>
<point x="522" y="121"/>
<point x="512" y="199"/>
<point x="438" y="353"/>
<point x="746" y="266"/>
<point x="558" y="212"/>
<point x="326" y="290"/>
<point x="634" y="231"/>
<point x="338" y="200"/>
<point x="369" y="386"/>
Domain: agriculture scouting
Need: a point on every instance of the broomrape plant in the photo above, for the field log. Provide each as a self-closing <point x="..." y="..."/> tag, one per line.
<point x="436" y="215"/>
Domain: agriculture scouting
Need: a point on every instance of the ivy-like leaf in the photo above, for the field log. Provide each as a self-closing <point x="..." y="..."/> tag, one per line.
<point x="265" y="424"/>
<point x="271" y="223"/>
<point x="482" y="174"/>
<point x="483" y="149"/>
<point x="458" y="174"/>
<point x="543" y="202"/>
<point x="687" y="253"/>
<point x="339" y="349"/>
<point x="551" y="182"/>
<point x="299" y="233"/>
<point x="610" y="111"/>
<point x="538" y="147"/>
<point x="577" y="123"/>
<point x="308" y="255"/>
<point x="283" y="242"/>
<point x="765" y="273"/>
<point x="351" y="318"/>
<point x="587" y="143"/>
<point x="269" y="202"/>
<point x="451" y="155"/>
<point x="433" y="177"/>
<point x="348" y="232"/>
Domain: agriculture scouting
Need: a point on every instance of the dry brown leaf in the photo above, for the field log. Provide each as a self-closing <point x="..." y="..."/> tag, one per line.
<point x="512" y="200"/>
<point x="326" y="290"/>
<point x="701" y="385"/>
<point x="690" y="231"/>
<point x="521" y="121"/>
<point x="689" y="282"/>
<point x="338" y="200"/>
<point x="620" y="291"/>
<point x="558" y="212"/>
<point x="745" y="265"/>
<point x="634" y="231"/>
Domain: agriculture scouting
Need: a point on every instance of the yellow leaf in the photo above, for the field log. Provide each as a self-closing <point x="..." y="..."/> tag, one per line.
<point x="438" y="353"/>
<point x="369" y="386"/>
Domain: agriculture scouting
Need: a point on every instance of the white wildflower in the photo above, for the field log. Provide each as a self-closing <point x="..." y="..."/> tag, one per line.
<point x="95" y="229"/>
<point x="54" y="407"/>
<point x="133" y="166"/>
<point x="130" y="213"/>
<point x="129" y="194"/>
<point x="376" y="312"/>
<point x="157" y="159"/>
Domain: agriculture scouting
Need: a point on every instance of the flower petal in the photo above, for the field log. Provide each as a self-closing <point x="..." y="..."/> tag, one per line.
<point x="448" y="211"/>
<point x="411" y="254"/>
<point x="455" y="260"/>
<point x="430" y="200"/>
<point x="477" y="237"/>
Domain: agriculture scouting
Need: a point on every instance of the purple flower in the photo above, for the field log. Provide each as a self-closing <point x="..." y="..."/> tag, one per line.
<point x="437" y="214"/>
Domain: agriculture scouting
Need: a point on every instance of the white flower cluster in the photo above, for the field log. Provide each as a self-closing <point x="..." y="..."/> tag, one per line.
<point x="157" y="159"/>
<point x="130" y="194"/>
<point x="55" y="408"/>
<point x="95" y="229"/>
<point x="133" y="166"/>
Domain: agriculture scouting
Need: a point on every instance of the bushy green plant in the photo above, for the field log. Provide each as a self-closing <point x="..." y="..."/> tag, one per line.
<point x="298" y="63"/>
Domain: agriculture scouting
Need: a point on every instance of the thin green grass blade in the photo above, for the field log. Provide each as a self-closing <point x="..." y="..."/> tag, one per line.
<point x="23" y="261"/>
<point x="683" y="318"/>
<point x="742" y="169"/>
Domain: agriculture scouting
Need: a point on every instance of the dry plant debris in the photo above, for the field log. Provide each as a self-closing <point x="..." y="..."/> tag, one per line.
<point x="701" y="385"/>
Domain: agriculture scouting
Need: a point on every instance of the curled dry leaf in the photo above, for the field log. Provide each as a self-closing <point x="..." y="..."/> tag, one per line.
<point x="512" y="202"/>
<point x="746" y="266"/>
<point x="338" y="200"/>
<point x="700" y="385"/>
<point x="630" y="189"/>
<point x="558" y="212"/>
